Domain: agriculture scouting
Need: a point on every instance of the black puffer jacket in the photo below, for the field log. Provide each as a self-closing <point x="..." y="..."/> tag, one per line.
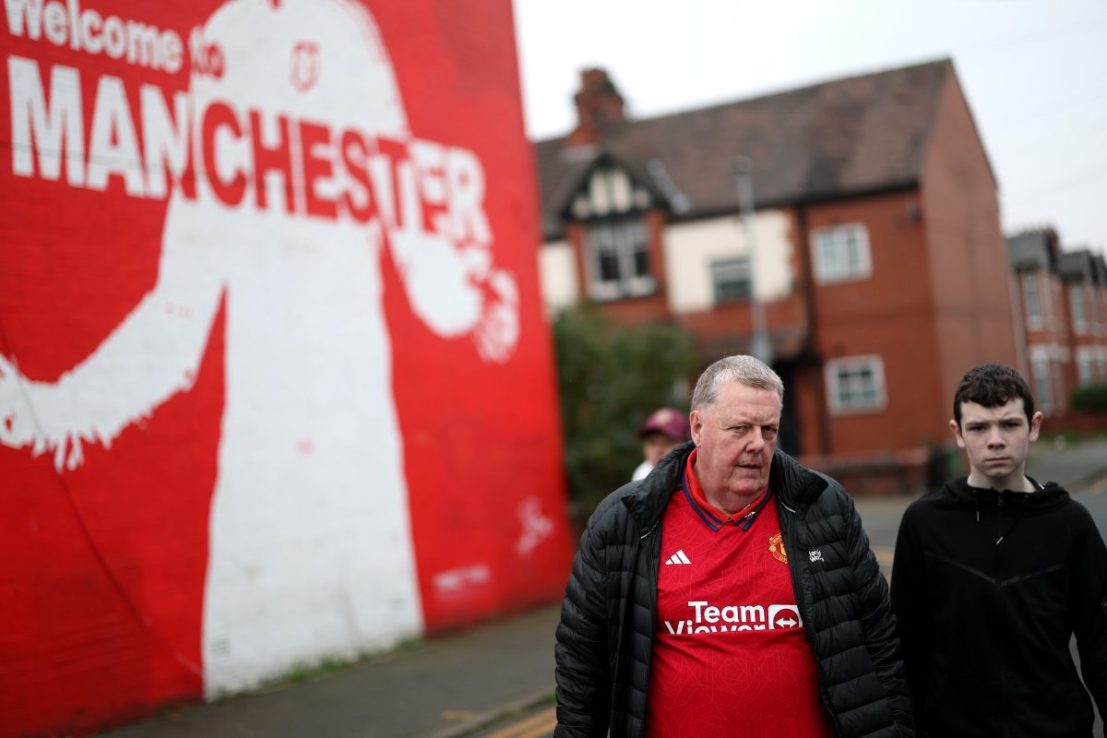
<point x="608" y="618"/>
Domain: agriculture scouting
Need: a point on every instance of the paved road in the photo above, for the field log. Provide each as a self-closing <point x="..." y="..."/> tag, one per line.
<point x="442" y="688"/>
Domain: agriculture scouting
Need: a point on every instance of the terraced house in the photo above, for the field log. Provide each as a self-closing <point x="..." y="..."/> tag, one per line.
<point x="1062" y="298"/>
<point x="873" y="247"/>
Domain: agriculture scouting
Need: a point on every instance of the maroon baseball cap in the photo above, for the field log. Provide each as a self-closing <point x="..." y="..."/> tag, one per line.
<point x="667" y="421"/>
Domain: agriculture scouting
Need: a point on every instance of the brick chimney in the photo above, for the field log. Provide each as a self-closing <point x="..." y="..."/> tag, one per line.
<point x="599" y="108"/>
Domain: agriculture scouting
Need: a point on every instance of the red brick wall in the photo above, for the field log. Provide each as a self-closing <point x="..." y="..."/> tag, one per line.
<point x="785" y="316"/>
<point x="967" y="252"/>
<point x="889" y="314"/>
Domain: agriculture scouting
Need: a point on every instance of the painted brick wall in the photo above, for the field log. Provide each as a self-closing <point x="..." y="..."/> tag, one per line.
<point x="268" y="307"/>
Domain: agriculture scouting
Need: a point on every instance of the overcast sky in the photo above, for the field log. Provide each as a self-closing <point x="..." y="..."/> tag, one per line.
<point x="1034" y="72"/>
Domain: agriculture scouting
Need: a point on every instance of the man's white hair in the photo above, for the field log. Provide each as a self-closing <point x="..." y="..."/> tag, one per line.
<point x="743" y="369"/>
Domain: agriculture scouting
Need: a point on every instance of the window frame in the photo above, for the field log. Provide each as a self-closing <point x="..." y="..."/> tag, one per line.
<point x="1042" y="385"/>
<point x="1030" y="288"/>
<point x="735" y="264"/>
<point x="1086" y="367"/>
<point x="832" y="378"/>
<point x="627" y="236"/>
<point x="1077" y="304"/>
<point x="837" y="264"/>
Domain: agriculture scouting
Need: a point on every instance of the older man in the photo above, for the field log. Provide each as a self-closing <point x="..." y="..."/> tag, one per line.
<point x="731" y="592"/>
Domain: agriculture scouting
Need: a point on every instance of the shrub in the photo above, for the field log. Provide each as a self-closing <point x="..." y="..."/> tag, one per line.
<point x="1089" y="398"/>
<point x="610" y="377"/>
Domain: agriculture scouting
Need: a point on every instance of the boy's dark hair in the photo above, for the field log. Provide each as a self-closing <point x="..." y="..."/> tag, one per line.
<point x="992" y="385"/>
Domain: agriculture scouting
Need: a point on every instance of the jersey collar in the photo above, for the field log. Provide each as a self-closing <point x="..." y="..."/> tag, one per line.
<point x="713" y="517"/>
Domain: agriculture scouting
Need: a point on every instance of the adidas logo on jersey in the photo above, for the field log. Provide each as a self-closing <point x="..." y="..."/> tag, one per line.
<point x="678" y="558"/>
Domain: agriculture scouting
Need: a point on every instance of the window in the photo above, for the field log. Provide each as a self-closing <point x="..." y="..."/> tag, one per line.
<point x="855" y="384"/>
<point x="731" y="279"/>
<point x="619" y="261"/>
<point x="1076" y="300"/>
<point x="1033" y="304"/>
<point x="1043" y="388"/>
<point x="841" y="253"/>
<point x="1098" y="311"/>
<point x="1085" y="367"/>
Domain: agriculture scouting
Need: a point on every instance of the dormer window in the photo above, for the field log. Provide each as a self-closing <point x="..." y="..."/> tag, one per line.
<point x="618" y="259"/>
<point x="616" y="240"/>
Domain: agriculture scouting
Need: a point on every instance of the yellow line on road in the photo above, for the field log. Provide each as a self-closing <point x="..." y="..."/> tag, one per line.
<point x="534" y="726"/>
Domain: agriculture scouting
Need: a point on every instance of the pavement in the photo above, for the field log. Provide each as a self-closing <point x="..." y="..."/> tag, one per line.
<point x="460" y="684"/>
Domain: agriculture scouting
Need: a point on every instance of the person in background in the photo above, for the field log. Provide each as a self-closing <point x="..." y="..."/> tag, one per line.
<point x="663" y="430"/>
<point x="730" y="592"/>
<point x="992" y="576"/>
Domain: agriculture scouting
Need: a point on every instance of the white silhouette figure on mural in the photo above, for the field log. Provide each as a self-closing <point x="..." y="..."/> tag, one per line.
<point x="310" y="541"/>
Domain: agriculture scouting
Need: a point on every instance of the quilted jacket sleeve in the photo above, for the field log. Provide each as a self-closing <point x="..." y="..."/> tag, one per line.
<point x="878" y="622"/>
<point x="582" y="666"/>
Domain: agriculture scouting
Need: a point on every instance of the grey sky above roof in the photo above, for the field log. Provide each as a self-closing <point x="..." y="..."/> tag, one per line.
<point x="1034" y="73"/>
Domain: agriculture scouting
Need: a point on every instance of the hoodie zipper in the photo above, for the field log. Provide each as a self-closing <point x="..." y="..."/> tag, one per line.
<point x="1002" y="629"/>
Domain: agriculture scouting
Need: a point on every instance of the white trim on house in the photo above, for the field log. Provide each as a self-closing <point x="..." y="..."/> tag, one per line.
<point x="691" y="248"/>
<point x="557" y="275"/>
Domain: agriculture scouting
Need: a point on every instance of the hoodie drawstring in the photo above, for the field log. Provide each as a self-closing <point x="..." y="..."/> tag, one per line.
<point x="1018" y="516"/>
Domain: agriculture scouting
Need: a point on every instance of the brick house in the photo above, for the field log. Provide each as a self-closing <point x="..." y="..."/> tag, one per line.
<point x="874" y="248"/>
<point x="1062" y="298"/>
<point x="1084" y="275"/>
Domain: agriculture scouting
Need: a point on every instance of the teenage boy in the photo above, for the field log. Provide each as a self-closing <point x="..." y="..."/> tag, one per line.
<point x="992" y="576"/>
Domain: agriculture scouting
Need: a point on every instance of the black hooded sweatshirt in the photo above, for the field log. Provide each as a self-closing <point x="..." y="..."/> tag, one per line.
<point x="988" y="588"/>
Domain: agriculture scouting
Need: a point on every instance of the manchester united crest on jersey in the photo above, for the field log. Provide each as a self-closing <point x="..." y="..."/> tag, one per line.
<point x="776" y="548"/>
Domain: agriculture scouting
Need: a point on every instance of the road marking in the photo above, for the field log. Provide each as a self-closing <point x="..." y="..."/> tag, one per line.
<point x="535" y="726"/>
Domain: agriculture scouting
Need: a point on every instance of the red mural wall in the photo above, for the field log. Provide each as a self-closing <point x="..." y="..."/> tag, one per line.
<point x="272" y="345"/>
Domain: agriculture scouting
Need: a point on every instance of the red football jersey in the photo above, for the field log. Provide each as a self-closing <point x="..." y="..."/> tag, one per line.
<point x="730" y="656"/>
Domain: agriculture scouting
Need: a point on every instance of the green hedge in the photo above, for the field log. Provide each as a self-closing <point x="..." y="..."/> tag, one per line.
<point x="1089" y="398"/>
<point x="610" y="377"/>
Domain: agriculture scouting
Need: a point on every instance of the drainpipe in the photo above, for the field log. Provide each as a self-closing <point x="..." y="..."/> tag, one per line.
<point x="810" y="350"/>
<point x="760" y="345"/>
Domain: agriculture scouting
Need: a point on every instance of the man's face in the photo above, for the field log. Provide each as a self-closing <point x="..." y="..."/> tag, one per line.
<point x="736" y="437"/>
<point x="996" y="441"/>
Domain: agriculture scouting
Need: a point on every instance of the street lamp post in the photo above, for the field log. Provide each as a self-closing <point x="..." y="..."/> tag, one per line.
<point x="760" y="345"/>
